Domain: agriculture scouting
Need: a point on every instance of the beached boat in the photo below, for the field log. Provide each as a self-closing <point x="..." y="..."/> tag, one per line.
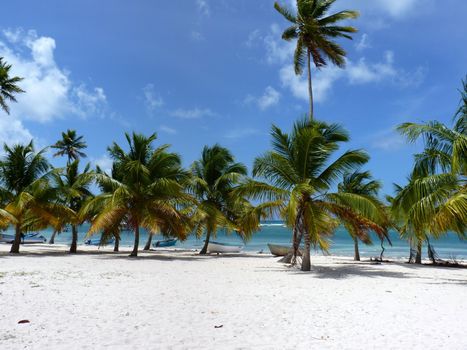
<point x="97" y="241"/>
<point x="29" y="238"/>
<point x="165" y="243"/>
<point x="281" y="250"/>
<point x="217" y="247"/>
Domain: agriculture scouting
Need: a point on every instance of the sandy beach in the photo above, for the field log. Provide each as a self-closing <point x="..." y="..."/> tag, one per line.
<point x="178" y="300"/>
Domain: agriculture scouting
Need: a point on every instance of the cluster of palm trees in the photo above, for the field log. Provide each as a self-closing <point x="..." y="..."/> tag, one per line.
<point x="435" y="199"/>
<point x="304" y="179"/>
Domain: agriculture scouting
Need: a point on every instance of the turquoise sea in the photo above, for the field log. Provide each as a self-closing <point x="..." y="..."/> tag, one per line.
<point x="450" y="246"/>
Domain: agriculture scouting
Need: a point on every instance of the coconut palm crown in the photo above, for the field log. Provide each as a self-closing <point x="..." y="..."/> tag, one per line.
<point x="299" y="173"/>
<point x="72" y="189"/>
<point x="315" y="31"/>
<point x="8" y="86"/>
<point x="435" y="199"/>
<point x="24" y="190"/>
<point x="362" y="184"/>
<point x="214" y="179"/>
<point x="70" y="146"/>
<point x="147" y="191"/>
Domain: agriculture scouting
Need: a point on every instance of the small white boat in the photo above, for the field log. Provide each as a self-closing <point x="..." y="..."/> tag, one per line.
<point x="217" y="247"/>
<point x="29" y="238"/>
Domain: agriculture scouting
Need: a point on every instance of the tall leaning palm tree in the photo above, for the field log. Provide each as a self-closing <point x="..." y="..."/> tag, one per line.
<point x="24" y="188"/>
<point x="70" y="146"/>
<point x="147" y="191"/>
<point x="214" y="180"/>
<point x="72" y="189"/>
<point x="8" y="86"/>
<point x="300" y="172"/>
<point x="315" y="31"/>
<point x="362" y="184"/>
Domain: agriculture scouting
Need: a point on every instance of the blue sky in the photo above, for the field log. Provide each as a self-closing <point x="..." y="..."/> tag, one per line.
<point x="204" y="71"/>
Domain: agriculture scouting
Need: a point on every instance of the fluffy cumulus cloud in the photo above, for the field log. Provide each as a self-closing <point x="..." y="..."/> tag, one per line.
<point x="50" y="93"/>
<point x="361" y="71"/>
<point x="12" y="131"/>
<point x="269" y="98"/>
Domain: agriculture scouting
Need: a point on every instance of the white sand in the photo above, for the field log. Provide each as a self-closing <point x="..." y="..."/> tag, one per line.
<point x="175" y="300"/>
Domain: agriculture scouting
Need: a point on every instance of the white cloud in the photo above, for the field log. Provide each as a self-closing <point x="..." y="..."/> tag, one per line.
<point x="322" y="82"/>
<point x="168" y="130"/>
<point x="89" y="103"/>
<point x="277" y="50"/>
<point x="50" y="93"/>
<point x="12" y="131"/>
<point x="104" y="162"/>
<point x="363" y="72"/>
<point x="388" y="140"/>
<point x="362" y="43"/>
<point x="253" y="38"/>
<point x="358" y="73"/>
<point x="151" y="99"/>
<point x="203" y="7"/>
<point x="269" y="98"/>
<point x="241" y="133"/>
<point x="194" y="113"/>
<point x="397" y="8"/>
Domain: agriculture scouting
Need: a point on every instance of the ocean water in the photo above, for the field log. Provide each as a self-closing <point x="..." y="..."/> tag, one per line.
<point x="449" y="246"/>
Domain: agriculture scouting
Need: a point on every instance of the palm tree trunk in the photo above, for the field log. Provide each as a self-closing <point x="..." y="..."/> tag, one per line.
<point x="116" y="244"/>
<point x="74" y="239"/>
<point x="135" y="247"/>
<point x="418" y="258"/>
<point x="206" y="243"/>
<point x="15" y="246"/>
<point x="306" y="259"/>
<point x="356" y="256"/>
<point x="52" y="238"/>
<point x="148" y="243"/>
<point x="310" y="87"/>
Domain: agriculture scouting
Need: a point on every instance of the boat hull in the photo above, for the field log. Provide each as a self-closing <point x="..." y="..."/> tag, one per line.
<point x="97" y="242"/>
<point x="216" y="247"/>
<point x="27" y="239"/>
<point x="281" y="250"/>
<point x="165" y="243"/>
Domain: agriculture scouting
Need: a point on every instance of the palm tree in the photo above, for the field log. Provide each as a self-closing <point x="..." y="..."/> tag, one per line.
<point x="300" y="172"/>
<point x="315" y="32"/>
<point x="147" y="191"/>
<point x="72" y="190"/>
<point x="435" y="199"/>
<point x="8" y="87"/>
<point x="107" y="187"/>
<point x="25" y="191"/>
<point x="362" y="184"/>
<point x="70" y="145"/>
<point x="430" y="206"/>
<point x="214" y="180"/>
